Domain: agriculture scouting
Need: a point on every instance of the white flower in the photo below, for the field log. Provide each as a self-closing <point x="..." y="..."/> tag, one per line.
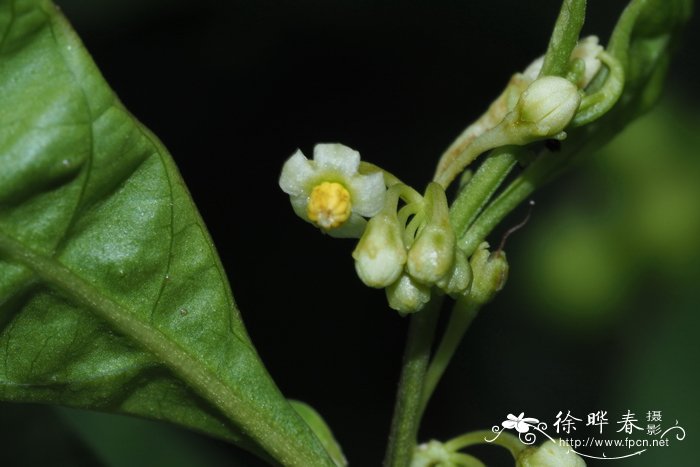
<point x="329" y="191"/>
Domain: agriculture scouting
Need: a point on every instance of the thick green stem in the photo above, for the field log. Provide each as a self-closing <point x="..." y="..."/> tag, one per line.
<point x="518" y="191"/>
<point x="515" y="194"/>
<point x="564" y="37"/>
<point x="477" y="192"/>
<point x="463" y="314"/>
<point x="404" y="426"/>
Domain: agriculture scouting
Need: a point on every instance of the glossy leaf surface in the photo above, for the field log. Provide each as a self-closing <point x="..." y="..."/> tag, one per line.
<point x="112" y="296"/>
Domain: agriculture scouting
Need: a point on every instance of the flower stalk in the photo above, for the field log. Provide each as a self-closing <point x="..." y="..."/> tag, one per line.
<point x="419" y="247"/>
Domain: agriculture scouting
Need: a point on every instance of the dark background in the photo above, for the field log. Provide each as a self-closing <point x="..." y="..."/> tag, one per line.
<point x="586" y="323"/>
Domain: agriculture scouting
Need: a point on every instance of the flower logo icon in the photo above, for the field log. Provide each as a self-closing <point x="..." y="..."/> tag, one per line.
<point x="520" y="423"/>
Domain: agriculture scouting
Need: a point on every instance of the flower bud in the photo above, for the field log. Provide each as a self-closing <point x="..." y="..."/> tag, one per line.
<point x="407" y="295"/>
<point x="490" y="272"/>
<point x="430" y="454"/>
<point x="380" y="253"/>
<point x="587" y="50"/>
<point x="548" y="104"/>
<point x="550" y="454"/>
<point x="432" y="253"/>
<point x="459" y="279"/>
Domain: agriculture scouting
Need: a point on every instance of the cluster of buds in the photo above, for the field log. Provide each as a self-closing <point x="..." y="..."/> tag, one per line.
<point x="534" y="107"/>
<point x="410" y="250"/>
<point x="407" y="246"/>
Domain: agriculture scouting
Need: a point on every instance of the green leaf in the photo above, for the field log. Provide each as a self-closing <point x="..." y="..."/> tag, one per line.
<point x="322" y="431"/>
<point x="112" y="296"/>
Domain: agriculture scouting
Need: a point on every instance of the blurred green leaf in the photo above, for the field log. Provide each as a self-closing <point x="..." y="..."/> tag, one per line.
<point x="630" y="217"/>
<point x="642" y="41"/>
<point x="112" y="296"/>
<point x="662" y="364"/>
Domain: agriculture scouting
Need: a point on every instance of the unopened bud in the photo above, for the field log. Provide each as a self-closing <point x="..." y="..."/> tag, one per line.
<point x="407" y="295"/>
<point x="551" y="453"/>
<point x="432" y="253"/>
<point x="587" y="50"/>
<point x="380" y="253"/>
<point x="459" y="279"/>
<point x="430" y="454"/>
<point x="548" y="104"/>
<point x="490" y="272"/>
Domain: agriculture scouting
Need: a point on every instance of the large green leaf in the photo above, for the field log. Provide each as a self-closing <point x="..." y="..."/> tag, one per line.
<point x="112" y="296"/>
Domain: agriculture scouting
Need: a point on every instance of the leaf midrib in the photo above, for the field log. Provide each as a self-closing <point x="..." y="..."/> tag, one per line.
<point x="200" y="378"/>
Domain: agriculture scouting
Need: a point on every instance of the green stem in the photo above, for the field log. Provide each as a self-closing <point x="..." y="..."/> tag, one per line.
<point x="544" y="168"/>
<point x="463" y="313"/>
<point x="518" y="191"/>
<point x="465" y="460"/>
<point x="286" y="450"/>
<point x="481" y="187"/>
<point x="505" y="440"/>
<point x="564" y="37"/>
<point x="404" y="426"/>
<point x="407" y="192"/>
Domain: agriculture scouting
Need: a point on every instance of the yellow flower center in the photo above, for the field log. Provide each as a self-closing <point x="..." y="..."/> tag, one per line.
<point x="329" y="205"/>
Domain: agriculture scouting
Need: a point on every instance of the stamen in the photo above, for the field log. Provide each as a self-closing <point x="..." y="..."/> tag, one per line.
<point x="329" y="205"/>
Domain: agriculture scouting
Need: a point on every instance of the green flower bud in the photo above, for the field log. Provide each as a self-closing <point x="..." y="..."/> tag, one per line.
<point x="430" y="454"/>
<point x="550" y="454"/>
<point x="587" y="51"/>
<point x="380" y="254"/>
<point x="432" y="253"/>
<point x="459" y="279"/>
<point x="548" y="104"/>
<point x="407" y="295"/>
<point x="490" y="272"/>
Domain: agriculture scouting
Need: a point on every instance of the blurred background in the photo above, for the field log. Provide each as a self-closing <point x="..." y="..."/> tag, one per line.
<point x="601" y="308"/>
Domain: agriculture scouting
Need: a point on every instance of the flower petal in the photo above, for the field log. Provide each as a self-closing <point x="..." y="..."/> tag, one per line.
<point x="296" y="173"/>
<point x="338" y="157"/>
<point x="352" y="228"/>
<point x="367" y="194"/>
<point x="299" y="204"/>
<point x="509" y="424"/>
<point x="533" y="69"/>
